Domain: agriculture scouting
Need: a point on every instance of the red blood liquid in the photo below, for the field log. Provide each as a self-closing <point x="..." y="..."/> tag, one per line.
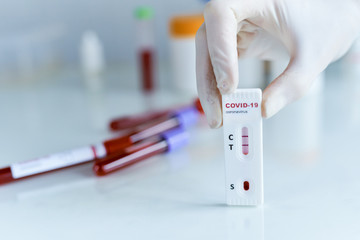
<point x="133" y="121"/>
<point x="129" y="156"/>
<point x="246" y="185"/>
<point x="147" y="69"/>
<point x="118" y="144"/>
<point x="6" y="176"/>
<point x="127" y="122"/>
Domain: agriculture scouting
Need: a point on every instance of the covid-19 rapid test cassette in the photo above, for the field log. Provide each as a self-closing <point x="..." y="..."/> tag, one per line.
<point x="242" y="124"/>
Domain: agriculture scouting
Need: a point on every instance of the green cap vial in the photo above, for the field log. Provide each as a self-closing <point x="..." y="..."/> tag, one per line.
<point x="144" y="13"/>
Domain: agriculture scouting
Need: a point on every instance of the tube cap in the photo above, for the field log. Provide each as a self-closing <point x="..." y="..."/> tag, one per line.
<point x="144" y="13"/>
<point x="198" y="106"/>
<point x="187" y="117"/>
<point x="185" y="26"/>
<point x="176" y="138"/>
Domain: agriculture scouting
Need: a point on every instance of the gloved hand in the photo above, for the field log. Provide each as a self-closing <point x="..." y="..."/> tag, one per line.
<point x="313" y="33"/>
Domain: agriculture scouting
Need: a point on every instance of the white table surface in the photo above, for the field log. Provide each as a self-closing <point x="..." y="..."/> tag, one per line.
<point x="174" y="196"/>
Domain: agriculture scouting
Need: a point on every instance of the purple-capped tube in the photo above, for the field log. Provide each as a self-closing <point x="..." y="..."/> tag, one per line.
<point x="183" y="118"/>
<point x="187" y="117"/>
<point x="165" y="142"/>
<point x="175" y="138"/>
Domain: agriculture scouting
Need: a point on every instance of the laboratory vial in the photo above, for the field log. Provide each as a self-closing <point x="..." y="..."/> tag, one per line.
<point x="182" y="30"/>
<point x="145" y="38"/>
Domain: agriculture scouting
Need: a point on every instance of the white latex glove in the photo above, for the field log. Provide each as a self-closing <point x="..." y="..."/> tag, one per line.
<point x="313" y="32"/>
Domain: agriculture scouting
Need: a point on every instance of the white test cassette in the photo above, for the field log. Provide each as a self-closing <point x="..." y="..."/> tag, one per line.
<point x="242" y="124"/>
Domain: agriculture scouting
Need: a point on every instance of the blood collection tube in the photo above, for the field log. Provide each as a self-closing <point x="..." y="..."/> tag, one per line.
<point x="146" y="46"/>
<point x="52" y="162"/>
<point x="133" y="121"/>
<point x="183" y="118"/>
<point x="127" y="122"/>
<point x="166" y="142"/>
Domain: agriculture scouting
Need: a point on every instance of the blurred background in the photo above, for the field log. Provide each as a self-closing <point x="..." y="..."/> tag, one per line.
<point x="68" y="67"/>
<point x="40" y="37"/>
